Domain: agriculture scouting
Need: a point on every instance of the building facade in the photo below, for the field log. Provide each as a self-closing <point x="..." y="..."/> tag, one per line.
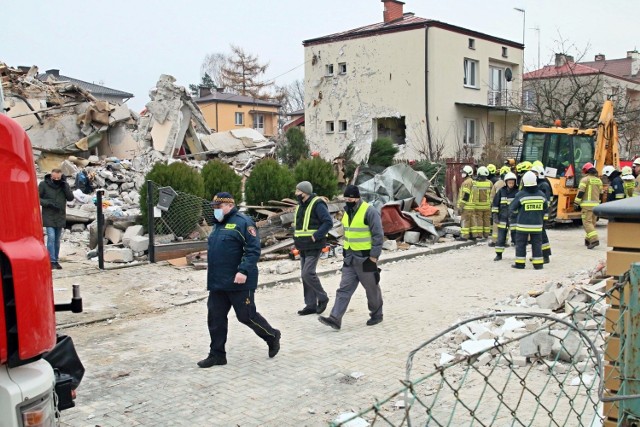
<point x="228" y="111"/>
<point x="435" y="89"/>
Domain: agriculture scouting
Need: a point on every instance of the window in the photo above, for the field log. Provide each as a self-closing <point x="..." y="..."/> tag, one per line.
<point x="329" y="127"/>
<point x="342" y="126"/>
<point x="328" y="70"/>
<point x="504" y="52"/>
<point x="239" y="119"/>
<point x="472" y="43"/>
<point x="491" y="132"/>
<point x="470" y="73"/>
<point x="342" y="68"/>
<point x="469" y="136"/>
<point x="258" y="122"/>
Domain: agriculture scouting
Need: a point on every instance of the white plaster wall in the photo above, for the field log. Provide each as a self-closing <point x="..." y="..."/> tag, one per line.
<point x="385" y="78"/>
<point x="447" y="51"/>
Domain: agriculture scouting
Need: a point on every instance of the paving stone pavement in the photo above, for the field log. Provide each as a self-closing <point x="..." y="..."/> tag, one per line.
<point x="141" y="370"/>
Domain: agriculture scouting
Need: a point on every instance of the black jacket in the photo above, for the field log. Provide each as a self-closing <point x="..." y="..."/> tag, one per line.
<point x="319" y="220"/>
<point x="54" y="196"/>
<point x="529" y="206"/>
<point x="501" y="202"/>
<point x="616" y="187"/>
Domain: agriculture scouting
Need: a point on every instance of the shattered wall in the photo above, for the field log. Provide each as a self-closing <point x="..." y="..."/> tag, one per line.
<point x="384" y="78"/>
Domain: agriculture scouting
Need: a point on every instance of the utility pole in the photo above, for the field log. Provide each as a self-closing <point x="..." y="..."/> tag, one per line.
<point x="524" y="17"/>
<point x="537" y="30"/>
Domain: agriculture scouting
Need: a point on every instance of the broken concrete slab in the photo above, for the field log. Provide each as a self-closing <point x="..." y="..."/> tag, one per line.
<point x="537" y="344"/>
<point x="138" y="243"/>
<point x="119" y="255"/>
<point x="390" y="245"/>
<point x="134" y="230"/>
<point x="113" y="234"/>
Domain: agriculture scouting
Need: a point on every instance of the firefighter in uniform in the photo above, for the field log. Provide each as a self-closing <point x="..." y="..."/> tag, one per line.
<point x="363" y="237"/>
<point x="521" y="169"/>
<point x="636" y="172"/>
<point x="465" y="203"/>
<point x="494" y="213"/>
<point x="545" y="187"/>
<point x="529" y="205"/>
<point x="500" y="206"/>
<point x="232" y="277"/>
<point x="493" y="176"/>
<point x="628" y="181"/>
<point x="616" y="186"/>
<point x="588" y="197"/>
<point x="311" y="223"/>
<point x="480" y="191"/>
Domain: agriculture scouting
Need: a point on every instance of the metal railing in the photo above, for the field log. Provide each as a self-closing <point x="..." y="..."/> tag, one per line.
<point x="511" y="99"/>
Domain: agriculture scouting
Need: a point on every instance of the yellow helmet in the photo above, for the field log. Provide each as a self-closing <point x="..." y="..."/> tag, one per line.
<point x="505" y="170"/>
<point x="537" y="163"/>
<point x="492" y="168"/>
<point x="523" y="167"/>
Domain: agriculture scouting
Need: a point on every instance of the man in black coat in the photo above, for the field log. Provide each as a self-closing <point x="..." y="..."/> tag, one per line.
<point x="311" y="224"/>
<point x="54" y="194"/>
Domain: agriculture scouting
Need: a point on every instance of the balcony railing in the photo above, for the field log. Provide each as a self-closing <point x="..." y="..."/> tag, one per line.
<point x="511" y="99"/>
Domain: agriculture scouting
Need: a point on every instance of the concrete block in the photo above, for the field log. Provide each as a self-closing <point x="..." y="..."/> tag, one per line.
<point x="538" y="344"/>
<point x="519" y="361"/>
<point x="133" y="230"/>
<point x="390" y="245"/>
<point x="411" y="237"/>
<point x="483" y="359"/>
<point x="138" y="244"/>
<point x="569" y="350"/>
<point x="118" y="255"/>
<point x="78" y="228"/>
<point x="547" y="300"/>
<point x="113" y="234"/>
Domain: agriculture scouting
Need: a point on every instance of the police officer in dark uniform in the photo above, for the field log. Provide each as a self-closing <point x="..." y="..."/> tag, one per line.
<point x="529" y="205"/>
<point x="311" y="224"/>
<point x="232" y="278"/>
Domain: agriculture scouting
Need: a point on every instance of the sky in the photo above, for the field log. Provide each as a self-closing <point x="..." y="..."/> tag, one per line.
<point x="127" y="45"/>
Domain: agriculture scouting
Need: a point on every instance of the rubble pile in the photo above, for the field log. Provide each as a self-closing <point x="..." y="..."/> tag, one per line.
<point x="526" y="340"/>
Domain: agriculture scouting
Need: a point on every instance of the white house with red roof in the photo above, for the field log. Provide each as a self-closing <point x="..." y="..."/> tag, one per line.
<point x="432" y="87"/>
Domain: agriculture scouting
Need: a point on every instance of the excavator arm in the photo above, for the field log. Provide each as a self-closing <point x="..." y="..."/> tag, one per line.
<point x="606" y="149"/>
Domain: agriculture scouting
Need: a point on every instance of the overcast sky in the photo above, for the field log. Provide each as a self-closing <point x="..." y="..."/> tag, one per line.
<point x="128" y="44"/>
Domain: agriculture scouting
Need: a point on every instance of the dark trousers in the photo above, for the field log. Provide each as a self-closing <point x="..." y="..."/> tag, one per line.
<point x="521" y="248"/>
<point x="311" y="286"/>
<point x="352" y="275"/>
<point x="219" y="304"/>
<point x="546" y="246"/>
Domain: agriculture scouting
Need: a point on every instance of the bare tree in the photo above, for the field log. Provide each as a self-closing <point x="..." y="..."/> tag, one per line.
<point x="212" y="65"/>
<point x="242" y="74"/>
<point x="292" y="96"/>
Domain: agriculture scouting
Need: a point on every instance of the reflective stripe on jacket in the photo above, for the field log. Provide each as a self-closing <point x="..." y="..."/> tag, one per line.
<point x="464" y="197"/>
<point x="629" y="186"/>
<point x="357" y="235"/>
<point x="304" y="231"/>
<point x="589" y="191"/>
<point x="480" y="193"/>
<point x="530" y="206"/>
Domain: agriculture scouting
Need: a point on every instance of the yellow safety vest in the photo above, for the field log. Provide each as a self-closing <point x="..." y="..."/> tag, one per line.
<point x="480" y="195"/>
<point x="628" y="186"/>
<point x="304" y="231"/>
<point x="357" y="235"/>
<point x="591" y="186"/>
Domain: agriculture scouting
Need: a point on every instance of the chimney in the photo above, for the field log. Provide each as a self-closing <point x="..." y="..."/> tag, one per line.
<point x="392" y="10"/>
<point x="562" y="59"/>
<point x="634" y="55"/>
<point x="220" y="89"/>
<point x="600" y="57"/>
<point x="53" y="72"/>
<point x="203" y="91"/>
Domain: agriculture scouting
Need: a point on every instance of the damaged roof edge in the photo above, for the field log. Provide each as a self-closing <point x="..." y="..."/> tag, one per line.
<point x="413" y="26"/>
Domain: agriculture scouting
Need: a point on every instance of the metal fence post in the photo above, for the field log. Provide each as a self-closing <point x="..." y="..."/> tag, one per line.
<point x="629" y="413"/>
<point x="151" y="222"/>
<point x="100" y="218"/>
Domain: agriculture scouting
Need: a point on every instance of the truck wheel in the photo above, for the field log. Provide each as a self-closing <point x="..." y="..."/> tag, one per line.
<point x="553" y="213"/>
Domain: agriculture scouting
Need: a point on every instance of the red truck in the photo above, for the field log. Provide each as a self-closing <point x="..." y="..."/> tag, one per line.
<point x="38" y="370"/>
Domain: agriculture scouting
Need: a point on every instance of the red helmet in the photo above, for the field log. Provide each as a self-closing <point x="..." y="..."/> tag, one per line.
<point x="587" y="166"/>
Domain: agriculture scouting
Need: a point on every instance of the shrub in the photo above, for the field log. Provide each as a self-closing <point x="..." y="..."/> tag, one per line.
<point x="294" y="148"/>
<point x="382" y="152"/>
<point x="350" y="164"/>
<point x="320" y="174"/>
<point x="429" y="169"/>
<point x="268" y="181"/>
<point x="185" y="211"/>
<point x="219" y="176"/>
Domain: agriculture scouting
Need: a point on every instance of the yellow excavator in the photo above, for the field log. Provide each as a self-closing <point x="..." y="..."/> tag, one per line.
<point x="564" y="151"/>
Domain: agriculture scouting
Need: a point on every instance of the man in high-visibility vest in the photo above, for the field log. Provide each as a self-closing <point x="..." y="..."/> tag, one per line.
<point x="628" y="181"/>
<point x="311" y="224"/>
<point x="363" y="237"/>
<point x="465" y="204"/>
<point x="636" y="172"/>
<point x="588" y="197"/>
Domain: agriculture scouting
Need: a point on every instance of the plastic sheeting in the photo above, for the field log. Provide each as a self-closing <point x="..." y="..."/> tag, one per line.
<point x="397" y="182"/>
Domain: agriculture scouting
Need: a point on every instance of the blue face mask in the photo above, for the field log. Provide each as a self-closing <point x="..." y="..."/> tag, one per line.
<point x="218" y="214"/>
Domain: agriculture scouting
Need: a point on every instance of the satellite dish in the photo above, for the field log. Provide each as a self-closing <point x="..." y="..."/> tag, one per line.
<point x="508" y="75"/>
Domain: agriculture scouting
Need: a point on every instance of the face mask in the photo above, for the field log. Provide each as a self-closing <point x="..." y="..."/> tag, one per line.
<point x="218" y="214"/>
<point x="300" y="198"/>
<point x="350" y="205"/>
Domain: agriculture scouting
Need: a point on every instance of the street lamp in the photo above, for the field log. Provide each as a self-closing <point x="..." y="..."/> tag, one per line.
<point x="524" y="16"/>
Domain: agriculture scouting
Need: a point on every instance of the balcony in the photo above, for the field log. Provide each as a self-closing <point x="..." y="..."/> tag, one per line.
<point x="511" y="99"/>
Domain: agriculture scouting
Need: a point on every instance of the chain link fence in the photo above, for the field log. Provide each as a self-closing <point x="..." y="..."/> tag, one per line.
<point x="571" y="361"/>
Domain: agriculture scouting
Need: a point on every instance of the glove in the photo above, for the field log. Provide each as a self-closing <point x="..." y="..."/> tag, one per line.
<point x="576" y="207"/>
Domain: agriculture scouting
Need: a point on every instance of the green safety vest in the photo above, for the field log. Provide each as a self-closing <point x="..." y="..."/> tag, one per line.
<point x="357" y="235"/>
<point x="304" y="231"/>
